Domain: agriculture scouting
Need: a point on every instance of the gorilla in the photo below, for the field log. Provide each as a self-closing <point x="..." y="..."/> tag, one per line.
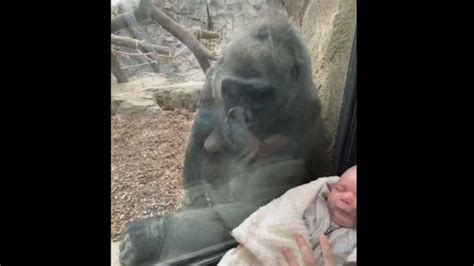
<point x="258" y="133"/>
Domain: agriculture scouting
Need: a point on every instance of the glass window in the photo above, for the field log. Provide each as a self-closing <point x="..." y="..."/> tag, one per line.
<point x="219" y="107"/>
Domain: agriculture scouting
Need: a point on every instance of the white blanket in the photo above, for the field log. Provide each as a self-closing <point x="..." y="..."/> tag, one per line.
<point x="272" y="227"/>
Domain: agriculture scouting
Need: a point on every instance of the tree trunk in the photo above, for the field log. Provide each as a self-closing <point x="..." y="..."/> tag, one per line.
<point x="142" y="45"/>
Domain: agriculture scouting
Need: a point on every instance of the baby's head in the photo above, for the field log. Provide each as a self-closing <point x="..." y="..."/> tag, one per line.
<point x="342" y="199"/>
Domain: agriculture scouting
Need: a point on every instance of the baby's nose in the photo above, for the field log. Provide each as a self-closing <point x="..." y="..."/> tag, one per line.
<point x="349" y="199"/>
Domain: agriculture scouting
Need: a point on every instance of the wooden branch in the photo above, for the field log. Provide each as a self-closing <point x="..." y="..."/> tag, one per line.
<point x="165" y="7"/>
<point x="147" y="9"/>
<point x="210" y="24"/>
<point x="142" y="45"/>
<point x="204" y="34"/>
<point x="141" y="59"/>
<point x="120" y="21"/>
<point x="186" y="37"/>
<point x="138" y="33"/>
<point x="117" y="71"/>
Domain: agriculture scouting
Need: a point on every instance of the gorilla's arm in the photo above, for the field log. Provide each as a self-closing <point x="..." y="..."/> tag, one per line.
<point x="158" y="239"/>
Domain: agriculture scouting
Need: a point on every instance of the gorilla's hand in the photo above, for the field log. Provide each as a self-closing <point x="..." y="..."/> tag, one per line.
<point x="142" y="241"/>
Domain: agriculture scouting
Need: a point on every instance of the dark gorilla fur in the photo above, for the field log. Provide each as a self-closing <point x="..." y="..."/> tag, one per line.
<point x="267" y="70"/>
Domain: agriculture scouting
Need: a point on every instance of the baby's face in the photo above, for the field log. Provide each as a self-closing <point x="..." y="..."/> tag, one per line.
<point x="342" y="200"/>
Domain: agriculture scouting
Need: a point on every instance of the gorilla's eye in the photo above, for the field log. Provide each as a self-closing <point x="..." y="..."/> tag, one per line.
<point x="228" y="90"/>
<point x="260" y="94"/>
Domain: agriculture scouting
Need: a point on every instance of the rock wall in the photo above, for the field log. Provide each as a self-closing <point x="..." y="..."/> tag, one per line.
<point x="328" y="27"/>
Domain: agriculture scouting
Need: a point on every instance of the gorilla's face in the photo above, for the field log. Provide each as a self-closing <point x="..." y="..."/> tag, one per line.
<point x="256" y="96"/>
<point x="266" y="74"/>
<point x="250" y="77"/>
